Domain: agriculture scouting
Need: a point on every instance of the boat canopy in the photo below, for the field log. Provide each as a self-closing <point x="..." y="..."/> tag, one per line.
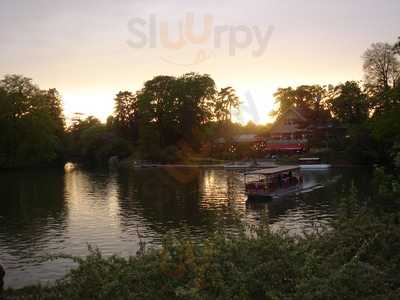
<point x="272" y="171"/>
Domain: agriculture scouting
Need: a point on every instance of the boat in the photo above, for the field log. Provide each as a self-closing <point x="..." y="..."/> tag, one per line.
<point x="272" y="182"/>
<point x="312" y="163"/>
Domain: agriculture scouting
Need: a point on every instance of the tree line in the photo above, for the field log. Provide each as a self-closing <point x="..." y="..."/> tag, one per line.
<point x="368" y="111"/>
<point x="173" y="118"/>
<point x="167" y="118"/>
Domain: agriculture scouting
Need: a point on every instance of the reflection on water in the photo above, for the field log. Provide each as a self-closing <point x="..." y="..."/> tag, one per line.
<point x="50" y="212"/>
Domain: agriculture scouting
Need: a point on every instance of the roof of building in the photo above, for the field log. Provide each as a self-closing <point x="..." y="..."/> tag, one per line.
<point x="299" y="112"/>
<point x="279" y="122"/>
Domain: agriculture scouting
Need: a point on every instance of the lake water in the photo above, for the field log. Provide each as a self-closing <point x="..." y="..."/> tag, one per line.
<point x="53" y="212"/>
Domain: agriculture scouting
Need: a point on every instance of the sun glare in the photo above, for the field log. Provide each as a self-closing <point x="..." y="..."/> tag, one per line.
<point x="256" y="105"/>
<point x="100" y="105"/>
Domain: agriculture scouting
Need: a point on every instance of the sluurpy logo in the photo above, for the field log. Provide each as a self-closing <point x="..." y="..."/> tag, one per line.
<point x="154" y="33"/>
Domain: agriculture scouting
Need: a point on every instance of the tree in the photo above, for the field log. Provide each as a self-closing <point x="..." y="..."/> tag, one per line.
<point x="149" y="139"/>
<point x="310" y="100"/>
<point x="396" y="47"/>
<point x="53" y="101"/>
<point x="125" y="107"/>
<point x="80" y="122"/>
<point x="31" y="124"/>
<point x="226" y="101"/>
<point x="195" y="96"/>
<point x="126" y="114"/>
<point x="285" y="99"/>
<point x="90" y="141"/>
<point x="173" y="110"/>
<point x="386" y="127"/>
<point x="19" y="85"/>
<point x="158" y="120"/>
<point x="381" y="67"/>
<point x="349" y="104"/>
<point x="382" y="73"/>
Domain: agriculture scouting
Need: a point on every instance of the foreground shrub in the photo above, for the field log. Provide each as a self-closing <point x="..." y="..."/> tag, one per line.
<point x="357" y="259"/>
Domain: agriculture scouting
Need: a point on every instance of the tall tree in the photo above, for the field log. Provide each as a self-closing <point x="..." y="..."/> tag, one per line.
<point x="195" y="94"/>
<point x="381" y="67"/>
<point x="53" y="100"/>
<point x="125" y="108"/>
<point x="158" y="108"/>
<point x="173" y="110"/>
<point x="126" y="114"/>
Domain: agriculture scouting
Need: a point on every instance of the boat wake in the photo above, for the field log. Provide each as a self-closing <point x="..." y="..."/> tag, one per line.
<point x="298" y="191"/>
<point x="311" y="188"/>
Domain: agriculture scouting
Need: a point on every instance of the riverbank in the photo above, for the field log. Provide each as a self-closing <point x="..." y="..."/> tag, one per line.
<point x="334" y="158"/>
<point x="230" y="165"/>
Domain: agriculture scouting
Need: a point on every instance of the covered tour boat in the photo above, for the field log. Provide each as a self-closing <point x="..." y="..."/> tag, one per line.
<point x="273" y="182"/>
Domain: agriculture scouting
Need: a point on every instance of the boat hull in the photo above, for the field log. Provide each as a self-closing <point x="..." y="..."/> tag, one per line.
<point x="265" y="195"/>
<point x="257" y="197"/>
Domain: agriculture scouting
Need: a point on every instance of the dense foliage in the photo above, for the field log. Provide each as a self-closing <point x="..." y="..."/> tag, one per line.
<point x="173" y="114"/>
<point x="31" y="124"/>
<point x="90" y="141"/>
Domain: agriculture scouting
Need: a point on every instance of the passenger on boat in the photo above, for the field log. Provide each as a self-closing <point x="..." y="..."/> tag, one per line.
<point x="292" y="179"/>
<point x="280" y="183"/>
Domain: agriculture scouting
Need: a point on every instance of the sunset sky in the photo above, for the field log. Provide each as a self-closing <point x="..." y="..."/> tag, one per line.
<point x="89" y="50"/>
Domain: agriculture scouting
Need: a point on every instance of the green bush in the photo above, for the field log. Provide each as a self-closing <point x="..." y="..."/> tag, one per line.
<point x="358" y="259"/>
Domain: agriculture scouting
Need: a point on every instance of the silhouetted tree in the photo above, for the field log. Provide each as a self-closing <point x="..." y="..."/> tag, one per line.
<point x="349" y="104"/>
<point x="310" y="100"/>
<point x="381" y="67"/>
<point x="31" y="123"/>
<point x="225" y="102"/>
<point x="126" y="115"/>
<point x="195" y="94"/>
<point x="173" y="110"/>
<point x="90" y="141"/>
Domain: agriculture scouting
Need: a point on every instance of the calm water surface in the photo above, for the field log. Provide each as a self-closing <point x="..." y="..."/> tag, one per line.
<point x="53" y="212"/>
